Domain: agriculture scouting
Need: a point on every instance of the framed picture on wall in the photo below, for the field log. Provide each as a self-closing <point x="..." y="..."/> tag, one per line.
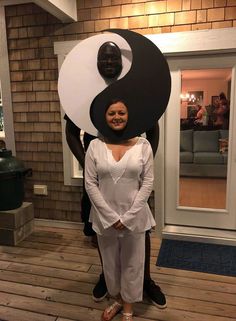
<point x="195" y="98"/>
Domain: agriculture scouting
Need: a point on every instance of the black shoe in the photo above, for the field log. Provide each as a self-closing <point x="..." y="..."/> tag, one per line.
<point x="100" y="289"/>
<point x="88" y="231"/>
<point x="154" y="293"/>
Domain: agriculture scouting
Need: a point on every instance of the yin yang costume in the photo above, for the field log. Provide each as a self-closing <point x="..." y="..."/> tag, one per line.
<point x="144" y="84"/>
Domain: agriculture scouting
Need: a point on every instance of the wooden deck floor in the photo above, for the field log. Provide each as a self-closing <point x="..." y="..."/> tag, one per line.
<point x="50" y="277"/>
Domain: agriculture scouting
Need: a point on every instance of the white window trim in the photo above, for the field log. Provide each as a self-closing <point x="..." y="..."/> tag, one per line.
<point x="72" y="171"/>
<point x="8" y="135"/>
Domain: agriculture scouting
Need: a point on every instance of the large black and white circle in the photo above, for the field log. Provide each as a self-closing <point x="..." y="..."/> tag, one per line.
<point x="80" y="81"/>
<point x="144" y="84"/>
<point x="145" y="89"/>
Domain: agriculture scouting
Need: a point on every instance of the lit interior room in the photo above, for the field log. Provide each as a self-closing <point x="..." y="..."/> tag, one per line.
<point x="208" y="186"/>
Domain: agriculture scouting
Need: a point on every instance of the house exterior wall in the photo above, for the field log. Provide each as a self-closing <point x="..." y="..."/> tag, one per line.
<point x="31" y="33"/>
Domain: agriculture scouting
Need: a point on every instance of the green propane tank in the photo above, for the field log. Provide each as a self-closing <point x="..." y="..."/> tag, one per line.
<point x="12" y="173"/>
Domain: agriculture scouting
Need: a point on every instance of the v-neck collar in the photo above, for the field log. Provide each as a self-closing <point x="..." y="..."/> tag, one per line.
<point x="117" y="168"/>
<point x="117" y="161"/>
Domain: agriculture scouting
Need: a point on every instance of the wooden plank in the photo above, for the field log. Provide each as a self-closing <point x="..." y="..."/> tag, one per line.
<point x="194" y="305"/>
<point x="12" y="314"/>
<point x="198" y="275"/>
<point x="47" y="307"/>
<point x="59" y="235"/>
<point x="4" y="265"/>
<point x="155" y="269"/>
<point x="197" y="283"/>
<point x="51" y="294"/>
<point x="65" y="248"/>
<point x="45" y="262"/>
<point x="78" y="228"/>
<point x="53" y="283"/>
<point x="51" y="255"/>
<point x="80" y="242"/>
<point x="171" y="314"/>
<point x="51" y="272"/>
<point x="198" y="294"/>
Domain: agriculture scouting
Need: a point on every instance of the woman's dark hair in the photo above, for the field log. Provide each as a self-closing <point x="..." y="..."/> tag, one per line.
<point x="114" y="101"/>
<point x="222" y="96"/>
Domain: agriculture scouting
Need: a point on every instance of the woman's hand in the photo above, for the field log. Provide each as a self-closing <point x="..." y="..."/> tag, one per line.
<point x="118" y="225"/>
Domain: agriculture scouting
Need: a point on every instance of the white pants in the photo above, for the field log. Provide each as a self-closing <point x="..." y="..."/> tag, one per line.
<point x="123" y="255"/>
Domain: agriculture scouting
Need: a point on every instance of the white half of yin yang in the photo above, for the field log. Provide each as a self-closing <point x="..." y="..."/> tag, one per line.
<point x="80" y="81"/>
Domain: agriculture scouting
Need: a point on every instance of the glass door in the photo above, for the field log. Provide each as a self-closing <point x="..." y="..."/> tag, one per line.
<point x="199" y="146"/>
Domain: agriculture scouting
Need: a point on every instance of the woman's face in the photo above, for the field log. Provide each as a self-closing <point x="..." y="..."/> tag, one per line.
<point x="117" y="116"/>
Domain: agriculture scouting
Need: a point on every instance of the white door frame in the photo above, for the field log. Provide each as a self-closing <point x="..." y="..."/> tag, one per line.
<point x="176" y="45"/>
<point x="196" y="216"/>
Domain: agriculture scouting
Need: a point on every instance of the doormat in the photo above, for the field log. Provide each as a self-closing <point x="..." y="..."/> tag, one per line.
<point x="199" y="257"/>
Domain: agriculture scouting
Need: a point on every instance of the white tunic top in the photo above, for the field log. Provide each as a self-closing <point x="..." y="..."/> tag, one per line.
<point x="119" y="190"/>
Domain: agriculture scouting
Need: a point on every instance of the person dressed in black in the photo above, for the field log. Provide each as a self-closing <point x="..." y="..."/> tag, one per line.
<point x="110" y="65"/>
<point x="79" y="148"/>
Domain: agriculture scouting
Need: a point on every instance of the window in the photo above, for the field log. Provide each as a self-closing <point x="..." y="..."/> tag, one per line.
<point x="73" y="173"/>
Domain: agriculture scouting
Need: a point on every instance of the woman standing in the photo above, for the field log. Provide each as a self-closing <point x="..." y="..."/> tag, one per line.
<point x="222" y="112"/>
<point x="118" y="180"/>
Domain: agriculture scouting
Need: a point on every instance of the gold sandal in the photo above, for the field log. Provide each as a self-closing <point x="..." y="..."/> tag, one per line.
<point x="111" y="311"/>
<point x="127" y="316"/>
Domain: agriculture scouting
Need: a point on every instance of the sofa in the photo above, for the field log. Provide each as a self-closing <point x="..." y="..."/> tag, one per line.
<point x="203" y="153"/>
